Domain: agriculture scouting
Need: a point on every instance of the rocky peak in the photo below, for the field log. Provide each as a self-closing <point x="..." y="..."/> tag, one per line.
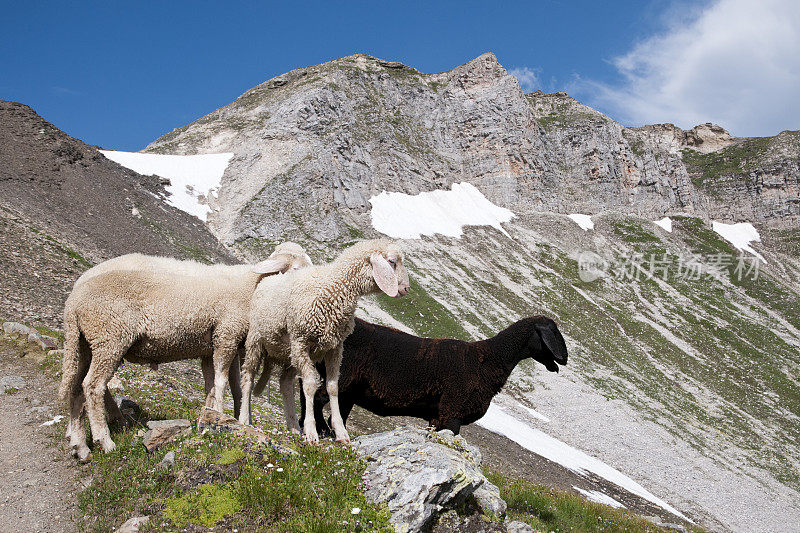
<point x="707" y="138"/>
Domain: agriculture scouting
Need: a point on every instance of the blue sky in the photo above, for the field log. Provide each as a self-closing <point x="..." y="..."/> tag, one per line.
<point x="120" y="76"/>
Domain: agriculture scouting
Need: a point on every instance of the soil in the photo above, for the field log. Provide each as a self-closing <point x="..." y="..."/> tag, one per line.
<point x="39" y="480"/>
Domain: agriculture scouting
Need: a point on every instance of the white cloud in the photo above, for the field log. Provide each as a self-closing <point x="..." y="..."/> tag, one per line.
<point x="735" y="63"/>
<point x="528" y="78"/>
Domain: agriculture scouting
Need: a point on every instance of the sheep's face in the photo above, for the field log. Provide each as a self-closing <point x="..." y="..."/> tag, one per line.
<point x="287" y="256"/>
<point x="546" y="345"/>
<point x="389" y="273"/>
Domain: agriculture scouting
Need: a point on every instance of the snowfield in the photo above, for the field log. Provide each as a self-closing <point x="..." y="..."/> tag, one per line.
<point x="405" y="216"/>
<point x="584" y="221"/>
<point x="739" y="235"/>
<point x="665" y="224"/>
<point x="499" y="421"/>
<point x="193" y="178"/>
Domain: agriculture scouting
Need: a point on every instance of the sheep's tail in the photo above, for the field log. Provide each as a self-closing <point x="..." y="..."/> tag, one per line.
<point x="71" y="363"/>
<point x="263" y="379"/>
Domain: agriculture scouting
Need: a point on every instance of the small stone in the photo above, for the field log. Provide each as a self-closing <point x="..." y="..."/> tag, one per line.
<point x="168" y="461"/>
<point x="132" y="525"/>
<point x="515" y="526"/>
<point x="11" y="382"/>
<point x="165" y="431"/>
<point x="489" y="501"/>
<point x="115" y="385"/>
<point x="16" y="329"/>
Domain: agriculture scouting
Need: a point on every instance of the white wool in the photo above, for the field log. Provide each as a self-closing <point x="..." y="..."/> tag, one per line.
<point x="403" y="216"/>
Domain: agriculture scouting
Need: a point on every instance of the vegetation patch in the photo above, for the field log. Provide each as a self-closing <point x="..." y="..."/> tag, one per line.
<point x="737" y="159"/>
<point x="548" y="509"/>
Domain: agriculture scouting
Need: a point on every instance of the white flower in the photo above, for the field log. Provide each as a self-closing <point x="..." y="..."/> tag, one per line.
<point x="270" y="465"/>
<point x="355" y="510"/>
<point x="279" y="469"/>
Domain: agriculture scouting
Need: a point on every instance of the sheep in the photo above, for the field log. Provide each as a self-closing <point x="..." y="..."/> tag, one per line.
<point x="150" y="263"/>
<point x="168" y="311"/>
<point x="306" y="318"/>
<point x="447" y="382"/>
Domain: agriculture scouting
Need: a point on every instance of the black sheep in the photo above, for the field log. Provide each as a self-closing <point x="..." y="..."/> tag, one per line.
<point x="447" y="382"/>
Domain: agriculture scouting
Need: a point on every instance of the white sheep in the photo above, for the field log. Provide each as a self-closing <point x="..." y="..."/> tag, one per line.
<point x="305" y="317"/>
<point x="163" y="312"/>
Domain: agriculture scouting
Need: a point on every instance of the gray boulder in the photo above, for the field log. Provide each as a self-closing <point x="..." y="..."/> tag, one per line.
<point x="16" y="329"/>
<point x="420" y="474"/>
<point x="164" y="431"/>
<point x="516" y="526"/>
<point x="132" y="525"/>
<point x="43" y="341"/>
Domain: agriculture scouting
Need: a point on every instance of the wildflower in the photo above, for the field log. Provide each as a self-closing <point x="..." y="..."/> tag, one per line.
<point x="279" y="469"/>
<point x="355" y="510"/>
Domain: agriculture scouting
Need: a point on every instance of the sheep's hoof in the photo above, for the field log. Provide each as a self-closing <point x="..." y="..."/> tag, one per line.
<point x="312" y="438"/>
<point x="107" y="445"/>
<point x="82" y="454"/>
<point x="345" y="440"/>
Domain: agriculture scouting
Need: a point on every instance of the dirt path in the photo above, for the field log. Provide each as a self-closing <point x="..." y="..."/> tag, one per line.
<point x="37" y="477"/>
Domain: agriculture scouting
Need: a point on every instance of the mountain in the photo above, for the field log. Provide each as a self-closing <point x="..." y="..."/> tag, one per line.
<point x="689" y="384"/>
<point x="65" y="207"/>
<point x="643" y="243"/>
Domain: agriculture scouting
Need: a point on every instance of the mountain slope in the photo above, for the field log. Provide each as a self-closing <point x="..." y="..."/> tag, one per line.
<point x="685" y="356"/>
<point x="64" y="207"/>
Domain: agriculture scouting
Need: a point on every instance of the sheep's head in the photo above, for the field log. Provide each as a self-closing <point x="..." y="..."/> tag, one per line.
<point x="286" y="257"/>
<point x="388" y="271"/>
<point x="546" y="345"/>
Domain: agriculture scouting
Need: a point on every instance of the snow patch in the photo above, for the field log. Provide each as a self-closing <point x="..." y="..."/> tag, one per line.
<point x="56" y="419"/>
<point x="405" y="216"/>
<point x="535" y="414"/>
<point x="739" y="235"/>
<point x="500" y="422"/>
<point x="193" y="178"/>
<point x="599" y="497"/>
<point x="584" y="221"/>
<point x="665" y="223"/>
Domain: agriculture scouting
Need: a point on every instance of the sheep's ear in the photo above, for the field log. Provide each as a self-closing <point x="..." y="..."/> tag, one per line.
<point x="273" y="265"/>
<point x="384" y="274"/>
<point x="548" y="331"/>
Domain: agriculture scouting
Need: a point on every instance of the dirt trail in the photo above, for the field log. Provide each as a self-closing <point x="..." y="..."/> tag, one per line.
<point x="38" y="479"/>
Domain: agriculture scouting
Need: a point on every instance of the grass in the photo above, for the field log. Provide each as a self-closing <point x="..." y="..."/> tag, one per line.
<point x="424" y="314"/>
<point x="734" y="160"/>
<point x="548" y="509"/>
<point x="221" y="480"/>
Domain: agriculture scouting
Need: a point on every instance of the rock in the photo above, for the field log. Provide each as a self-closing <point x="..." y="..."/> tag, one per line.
<point x="487" y="496"/>
<point x="132" y="525"/>
<point x="212" y="420"/>
<point x="515" y="526"/>
<point x="11" y="382"/>
<point x="16" y="329"/>
<point x="168" y="461"/>
<point x="43" y="341"/>
<point x="418" y="474"/>
<point x="164" y="431"/>
<point x="128" y="406"/>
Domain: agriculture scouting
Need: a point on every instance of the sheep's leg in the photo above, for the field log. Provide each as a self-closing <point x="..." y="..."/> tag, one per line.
<point x="301" y="361"/>
<point x="207" y="366"/>
<point x="333" y="361"/>
<point x="249" y="368"/>
<point x="287" y="392"/>
<point x="453" y="424"/>
<point x="224" y="354"/>
<point x="104" y="364"/>
<point x="75" y="428"/>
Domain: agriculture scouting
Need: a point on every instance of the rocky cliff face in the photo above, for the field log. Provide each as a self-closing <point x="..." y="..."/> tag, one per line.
<point x="669" y="380"/>
<point x="335" y="134"/>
